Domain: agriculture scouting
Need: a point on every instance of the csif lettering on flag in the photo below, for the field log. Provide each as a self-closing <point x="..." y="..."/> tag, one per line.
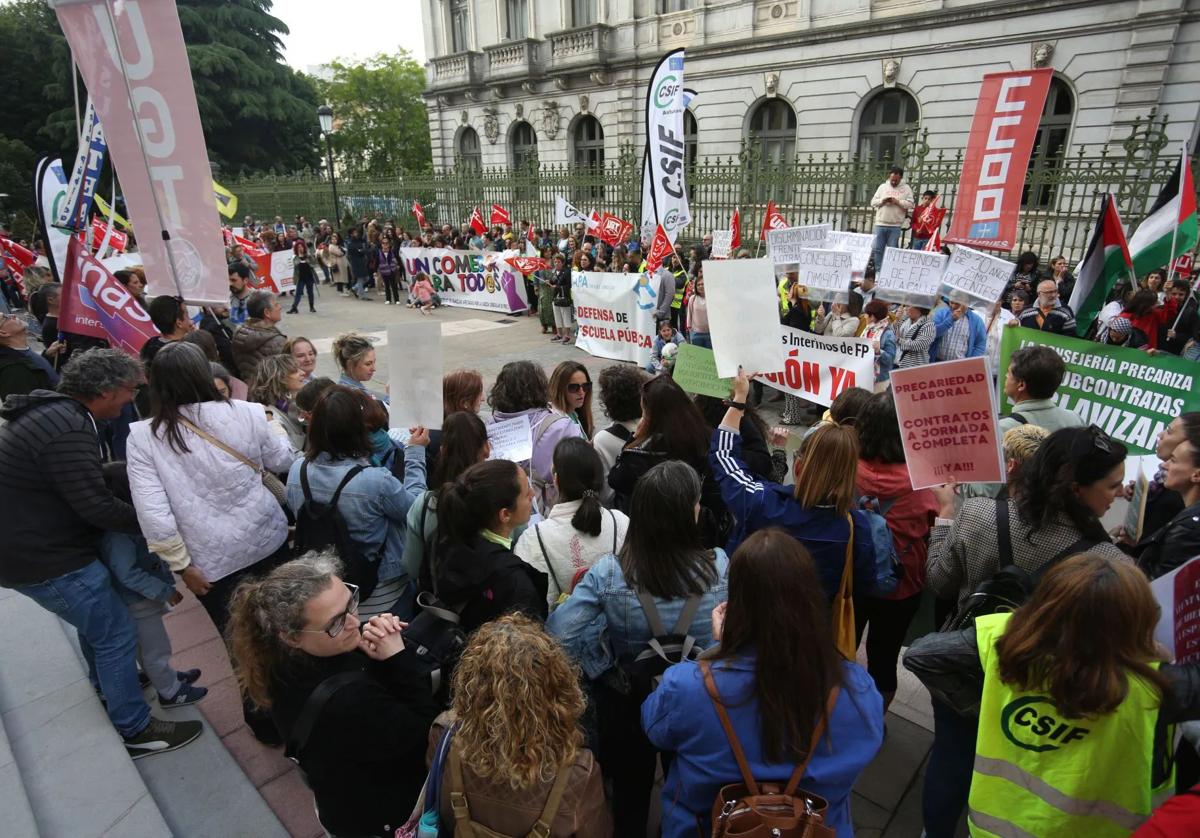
<point x="666" y="147"/>
<point x="132" y="58"/>
<point x="96" y="304"/>
<point x="998" y="149"/>
<point x="649" y="222"/>
<point x="89" y="160"/>
<point x="566" y="213"/>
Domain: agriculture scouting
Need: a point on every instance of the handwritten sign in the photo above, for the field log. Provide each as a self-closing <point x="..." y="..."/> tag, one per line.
<point x="722" y="243"/>
<point x="947" y="415"/>
<point x="511" y="439"/>
<point x="824" y="270"/>
<point x="910" y="277"/>
<point x="415" y="375"/>
<point x="977" y="274"/>
<point x="743" y="315"/>
<point x="696" y="372"/>
<point x="784" y="243"/>
<point x="819" y="367"/>
<point x="857" y="244"/>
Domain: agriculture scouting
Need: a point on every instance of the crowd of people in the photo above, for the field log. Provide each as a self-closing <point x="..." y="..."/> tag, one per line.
<point x="439" y="636"/>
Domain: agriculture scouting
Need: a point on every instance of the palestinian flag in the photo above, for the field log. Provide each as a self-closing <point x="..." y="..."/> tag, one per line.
<point x="1171" y="227"/>
<point x="1107" y="260"/>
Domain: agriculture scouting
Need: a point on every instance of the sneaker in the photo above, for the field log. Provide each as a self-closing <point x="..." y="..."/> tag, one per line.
<point x="556" y="339"/>
<point x="345" y="293"/>
<point x="187" y="694"/>
<point x="188" y="676"/>
<point x="143" y="680"/>
<point x="161" y="736"/>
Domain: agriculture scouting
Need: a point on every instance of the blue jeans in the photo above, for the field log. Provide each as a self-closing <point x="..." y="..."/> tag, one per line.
<point x="702" y="339"/>
<point x="86" y="599"/>
<point x="884" y="237"/>
<point x="948" y="774"/>
<point x="918" y="244"/>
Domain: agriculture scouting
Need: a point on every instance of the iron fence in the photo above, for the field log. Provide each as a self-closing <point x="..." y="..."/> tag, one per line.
<point x="1061" y="199"/>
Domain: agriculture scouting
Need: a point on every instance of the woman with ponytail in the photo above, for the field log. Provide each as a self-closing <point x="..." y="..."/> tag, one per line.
<point x="298" y="627"/>
<point x="578" y="530"/>
<point x="473" y="568"/>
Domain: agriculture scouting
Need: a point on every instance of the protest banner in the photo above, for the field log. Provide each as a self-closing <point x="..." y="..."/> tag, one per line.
<point x="695" y="371"/>
<point x="818" y="367"/>
<point x="947" y="415"/>
<point x="825" y="272"/>
<point x="978" y="275"/>
<point x="415" y="375"/>
<point x="743" y="315"/>
<point x="614" y="321"/>
<point x="665" y="161"/>
<point x="96" y="304"/>
<point x="158" y="149"/>
<point x="722" y="243"/>
<point x="511" y="439"/>
<point x="997" y="157"/>
<point x="910" y="277"/>
<point x="1128" y="393"/>
<point x="1178" y="595"/>
<point x="461" y="279"/>
<point x="859" y="246"/>
<point x="1135" y="515"/>
<point x="784" y="243"/>
<point x="273" y="271"/>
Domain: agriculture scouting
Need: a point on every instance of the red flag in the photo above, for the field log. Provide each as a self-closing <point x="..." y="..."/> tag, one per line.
<point x="612" y="229"/>
<point x="593" y="220"/>
<point x="476" y="222"/>
<point x="934" y="245"/>
<point x="249" y="247"/>
<point x="16" y="267"/>
<point x="773" y="220"/>
<point x="94" y="303"/>
<point x="227" y="234"/>
<point x="659" y="250"/>
<point x="23" y="255"/>
<point x="529" y="235"/>
<point x="528" y="264"/>
<point x="500" y="215"/>
<point x="735" y="225"/>
<point x="118" y="242"/>
<point x="419" y="214"/>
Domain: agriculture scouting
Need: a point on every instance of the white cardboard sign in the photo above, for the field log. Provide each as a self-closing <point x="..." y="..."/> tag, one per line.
<point x="743" y="315"/>
<point x="415" y="375"/>
<point x="784" y="243"/>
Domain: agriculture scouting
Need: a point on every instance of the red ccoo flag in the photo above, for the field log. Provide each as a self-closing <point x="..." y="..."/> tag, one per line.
<point x="476" y="222"/>
<point x="419" y="214"/>
<point x="660" y="249"/>
<point x="529" y="235"/>
<point x="23" y="255"/>
<point x="500" y="215"/>
<point x="735" y="225"/>
<point x="528" y="264"/>
<point x="773" y="220"/>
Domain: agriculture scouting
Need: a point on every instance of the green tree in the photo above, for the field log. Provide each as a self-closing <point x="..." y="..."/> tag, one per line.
<point x="17" y="161"/>
<point x="380" y="124"/>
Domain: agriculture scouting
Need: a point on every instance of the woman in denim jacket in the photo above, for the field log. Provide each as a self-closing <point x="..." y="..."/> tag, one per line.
<point x="663" y="557"/>
<point x="374" y="504"/>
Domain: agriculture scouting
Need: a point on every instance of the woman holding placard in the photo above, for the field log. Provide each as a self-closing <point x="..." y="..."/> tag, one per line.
<point x="914" y="336"/>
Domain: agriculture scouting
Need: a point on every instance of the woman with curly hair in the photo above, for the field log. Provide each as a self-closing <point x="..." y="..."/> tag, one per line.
<point x="516" y="752"/>
<point x="571" y="392"/>
<point x="296" y="628"/>
<point x="276" y="382"/>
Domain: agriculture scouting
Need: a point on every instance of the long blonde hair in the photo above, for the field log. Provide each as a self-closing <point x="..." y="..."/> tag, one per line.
<point x="827" y="465"/>
<point x="518" y="701"/>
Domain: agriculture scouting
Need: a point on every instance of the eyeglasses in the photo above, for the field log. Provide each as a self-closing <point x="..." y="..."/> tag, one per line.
<point x="585" y="387"/>
<point x="338" y="624"/>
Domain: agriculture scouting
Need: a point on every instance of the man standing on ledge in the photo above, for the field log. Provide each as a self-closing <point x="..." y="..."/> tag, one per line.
<point x="892" y="203"/>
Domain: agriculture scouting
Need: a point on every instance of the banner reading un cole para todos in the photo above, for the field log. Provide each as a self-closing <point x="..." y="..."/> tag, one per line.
<point x="460" y="278"/>
<point x="1128" y="393"/>
<point x="615" y="313"/>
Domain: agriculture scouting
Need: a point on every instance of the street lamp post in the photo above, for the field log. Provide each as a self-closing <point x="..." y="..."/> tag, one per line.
<point x="325" y="117"/>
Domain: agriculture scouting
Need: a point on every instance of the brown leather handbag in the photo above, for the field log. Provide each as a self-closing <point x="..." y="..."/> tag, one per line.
<point x="751" y="809"/>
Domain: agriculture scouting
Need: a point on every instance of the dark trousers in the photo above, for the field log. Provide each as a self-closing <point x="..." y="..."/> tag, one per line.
<point x="531" y="296"/>
<point x="627" y="759"/>
<point x="888" y="619"/>
<point x="303" y="283"/>
<point x="216" y="603"/>
<point x="391" y="287"/>
<point x="948" y="775"/>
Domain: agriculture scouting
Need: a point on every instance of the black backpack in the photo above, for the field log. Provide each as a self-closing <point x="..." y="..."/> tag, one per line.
<point x="638" y="674"/>
<point x="321" y="525"/>
<point x="1009" y="587"/>
<point x="296" y="738"/>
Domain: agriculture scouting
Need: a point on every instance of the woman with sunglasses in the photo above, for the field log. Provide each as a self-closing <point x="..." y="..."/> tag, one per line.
<point x="297" y="628"/>
<point x="571" y="392"/>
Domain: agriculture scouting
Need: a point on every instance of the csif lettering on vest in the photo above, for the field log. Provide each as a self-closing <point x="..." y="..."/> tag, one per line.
<point x="1031" y="722"/>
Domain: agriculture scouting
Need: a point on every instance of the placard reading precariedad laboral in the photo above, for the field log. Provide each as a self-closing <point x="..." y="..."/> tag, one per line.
<point x="461" y="279"/>
<point x="1128" y="393"/>
<point x="782" y="244"/>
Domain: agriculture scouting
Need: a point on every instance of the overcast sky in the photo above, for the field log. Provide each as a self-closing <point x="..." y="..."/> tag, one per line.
<point x="348" y="29"/>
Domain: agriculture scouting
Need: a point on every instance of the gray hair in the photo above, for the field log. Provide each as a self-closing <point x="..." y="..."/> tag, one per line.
<point x="257" y="304"/>
<point x="91" y="374"/>
<point x="280" y="597"/>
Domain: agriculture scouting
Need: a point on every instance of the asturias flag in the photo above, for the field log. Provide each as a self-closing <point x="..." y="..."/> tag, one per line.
<point x="1106" y="261"/>
<point x="1171" y="227"/>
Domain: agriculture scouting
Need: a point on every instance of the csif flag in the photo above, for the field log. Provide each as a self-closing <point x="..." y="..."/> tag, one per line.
<point x="96" y="304"/>
<point x="476" y="222"/>
<point x="735" y="227"/>
<point x="1106" y="261"/>
<point x="1171" y="227"/>
<point x="773" y="220"/>
<point x="566" y="213"/>
<point x="500" y="215"/>
<point x="660" y="249"/>
<point x="419" y="214"/>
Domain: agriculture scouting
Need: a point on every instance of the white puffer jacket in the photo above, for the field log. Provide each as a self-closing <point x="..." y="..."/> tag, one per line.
<point x="204" y="506"/>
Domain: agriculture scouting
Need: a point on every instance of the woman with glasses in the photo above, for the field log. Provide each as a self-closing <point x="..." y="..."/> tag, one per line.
<point x="296" y="629"/>
<point x="571" y="392"/>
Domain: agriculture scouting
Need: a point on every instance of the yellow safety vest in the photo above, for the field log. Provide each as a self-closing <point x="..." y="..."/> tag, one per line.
<point x="784" y="304"/>
<point x="677" y="301"/>
<point x="1039" y="774"/>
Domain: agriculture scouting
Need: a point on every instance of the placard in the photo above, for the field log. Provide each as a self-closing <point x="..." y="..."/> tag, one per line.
<point x="1135" y="515"/>
<point x="910" y="277"/>
<point x="819" y="368"/>
<point x="947" y="415"/>
<point x="859" y="246"/>
<point x="977" y="274"/>
<point x="821" y="270"/>
<point x="695" y="371"/>
<point x="415" y="375"/>
<point x="1178" y="595"/>
<point x="461" y="279"/>
<point x="782" y="244"/>
<point x="743" y="315"/>
<point x="722" y="243"/>
<point x="615" y="313"/>
<point x="511" y="439"/>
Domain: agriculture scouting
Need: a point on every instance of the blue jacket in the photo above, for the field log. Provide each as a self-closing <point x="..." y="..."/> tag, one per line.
<point x="136" y="572"/>
<point x="604" y="592"/>
<point x="887" y="355"/>
<point x="976" y="333"/>
<point x="679" y="717"/>
<point x="347" y="381"/>
<point x="374" y="504"/>
<point x="757" y="504"/>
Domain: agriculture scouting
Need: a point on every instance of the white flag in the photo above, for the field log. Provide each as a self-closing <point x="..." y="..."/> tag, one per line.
<point x="566" y="213"/>
<point x="666" y="158"/>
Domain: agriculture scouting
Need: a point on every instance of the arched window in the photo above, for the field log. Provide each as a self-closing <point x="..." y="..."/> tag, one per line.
<point x="1049" y="145"/>
<point x="523" y="143"/>
<point x="589" y="143"/>
<point x="469" y="154"/>
<point x="772" y="131"/>
<point x="888" y="115"/>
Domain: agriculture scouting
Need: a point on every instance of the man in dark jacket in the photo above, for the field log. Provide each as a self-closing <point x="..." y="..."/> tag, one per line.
<point x="57" y="506"/>
<point x="21" y="369"/>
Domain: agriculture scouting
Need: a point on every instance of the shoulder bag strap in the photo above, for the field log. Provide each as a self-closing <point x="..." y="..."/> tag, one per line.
<point x="313" y="705"/>
<point x="541" y="829"/>
<point x="214" y="441"/>
<point x="546" y="555"/>
<point x="337" y="493"/>
<point x="463" y="827"/>
<point x="1003" y="534"/>
<point x="846" y="588"/>
<point x="738" y="753"/>
<point x="614" y="523"/>
<point x="818" y="731"/>
<point x="656" y="625"/>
